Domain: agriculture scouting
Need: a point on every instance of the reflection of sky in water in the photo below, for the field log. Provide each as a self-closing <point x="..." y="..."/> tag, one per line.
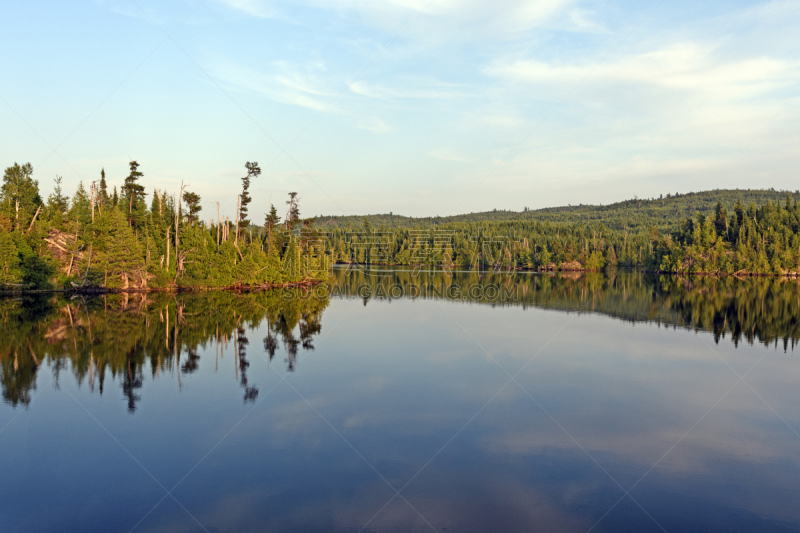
<point x="388" y="387"/>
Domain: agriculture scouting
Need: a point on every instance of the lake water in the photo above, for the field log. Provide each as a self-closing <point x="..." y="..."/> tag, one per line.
<point x="397" y="400"/>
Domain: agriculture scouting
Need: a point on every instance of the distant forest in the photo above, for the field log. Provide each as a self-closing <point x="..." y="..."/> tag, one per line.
<point x="637" y="214"/>
<point x="713" y="232"/>
<point x="118" y="236"/>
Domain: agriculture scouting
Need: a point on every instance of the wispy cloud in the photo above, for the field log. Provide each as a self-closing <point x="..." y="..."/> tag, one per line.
<point x="374" y="125"/>
<point x="281" y="81"/>
<point x="448" y="18"/>
<point x="255" y="8"/>
<point x="446" y="91"/>
<point x="127" y="9"/>
<point x="687" y="66"/>
<point x="428" y="90"/>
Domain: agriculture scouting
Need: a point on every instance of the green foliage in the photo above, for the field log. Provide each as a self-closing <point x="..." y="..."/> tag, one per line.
<point x="272" y="219"/>
<point x="133" y="195"/>
<point x="757" y="240"/>
<point x="103" y="199"/>
<point x="636" y="216"/>
<point x="129" y="245"/>
<point x="19" y="195"/>
<point x="544" y="257"/>
<point x="595" y="261"/>
<point x="81" y="209"/>
<point x="9" y="260"/>
<point x="37" y="272"/>
<point x="253" y="171"/>
<point x="193" y="203"/>
<point x="57" y="204"/>
<point x="132" y="245"/>
<point x="761" y="240"/>
<point x="293" y="214"/>
<point x="118" y="252"/>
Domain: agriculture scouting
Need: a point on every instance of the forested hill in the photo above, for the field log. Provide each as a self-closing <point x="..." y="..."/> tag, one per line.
<point x="635" y="215"/>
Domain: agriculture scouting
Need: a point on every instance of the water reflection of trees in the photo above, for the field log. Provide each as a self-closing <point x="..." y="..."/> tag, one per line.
<point x="753" y="310"/>
<point x="128" y="336"/>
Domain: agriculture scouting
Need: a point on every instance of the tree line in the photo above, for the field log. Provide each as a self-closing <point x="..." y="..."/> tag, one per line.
<point x="111" y="238"/>
<point x="633" y="215"/>
<point x="104" y="237"/>
<point x="757" y="240"/>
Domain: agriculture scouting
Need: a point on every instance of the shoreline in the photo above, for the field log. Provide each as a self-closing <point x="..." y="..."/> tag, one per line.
<point x="104" y="290"/>
<point x="313" y="282"/>
<point x="738" y="274"/>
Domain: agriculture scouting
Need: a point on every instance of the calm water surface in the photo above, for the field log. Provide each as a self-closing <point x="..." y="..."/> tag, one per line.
<point x="407" y="401"/>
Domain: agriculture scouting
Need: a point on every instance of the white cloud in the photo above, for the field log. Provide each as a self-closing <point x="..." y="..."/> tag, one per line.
<point x="431" y="90"/>
<point x="585" y="21"/>
<point x="445" y="18"/>
<point x="255" y="8"/>
<point x="469" y="79"/>
<point x="687" y="66"/>
<point x="375" y="125"/>
<point x="281" y="81"/>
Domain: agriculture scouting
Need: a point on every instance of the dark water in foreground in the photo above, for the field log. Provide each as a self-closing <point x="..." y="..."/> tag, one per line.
<point x="407" y="403"/>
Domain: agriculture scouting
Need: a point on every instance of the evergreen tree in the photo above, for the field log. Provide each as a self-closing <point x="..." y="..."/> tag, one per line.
<point x="544" y="257"/>
<point x="293" y="214"/>
<point x="57" y="204"/>
<point x="156" y="208"/>
<point x="103" y="198"/>
<point x="253" y="171"/>
<point x="133" y="192"/>
<point x="272" y="219"/>
<point x="81" y="209"/>
<point x="120" y="260"/>
<point x="271" y="222"/>
<point x="193" y="203"/>
<point x="115" y="198"/>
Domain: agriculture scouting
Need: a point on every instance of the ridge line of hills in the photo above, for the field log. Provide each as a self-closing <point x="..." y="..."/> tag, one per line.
<point x="637" y="214"/>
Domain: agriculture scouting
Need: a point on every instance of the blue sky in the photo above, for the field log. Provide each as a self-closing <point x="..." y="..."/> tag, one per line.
<point x="410" y="106"/>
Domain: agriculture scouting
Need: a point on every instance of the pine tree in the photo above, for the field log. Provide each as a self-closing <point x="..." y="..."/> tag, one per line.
<point x="119" y="253"/>
<point x="156" y="209"/>
<point x="115" y="198"/>
<point x="57" y="204"/>
<point x="271" y="222"/>
<point x="544" y="257"/>
<point x="193" y="203"/>
<point x="253" y="171"/>
<point x="291" y="265"/>
<point x="103" y="199"/>
<point x="293" y="214"/>
<point x="81" y="209"/>
<point x="133" y="192"/>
